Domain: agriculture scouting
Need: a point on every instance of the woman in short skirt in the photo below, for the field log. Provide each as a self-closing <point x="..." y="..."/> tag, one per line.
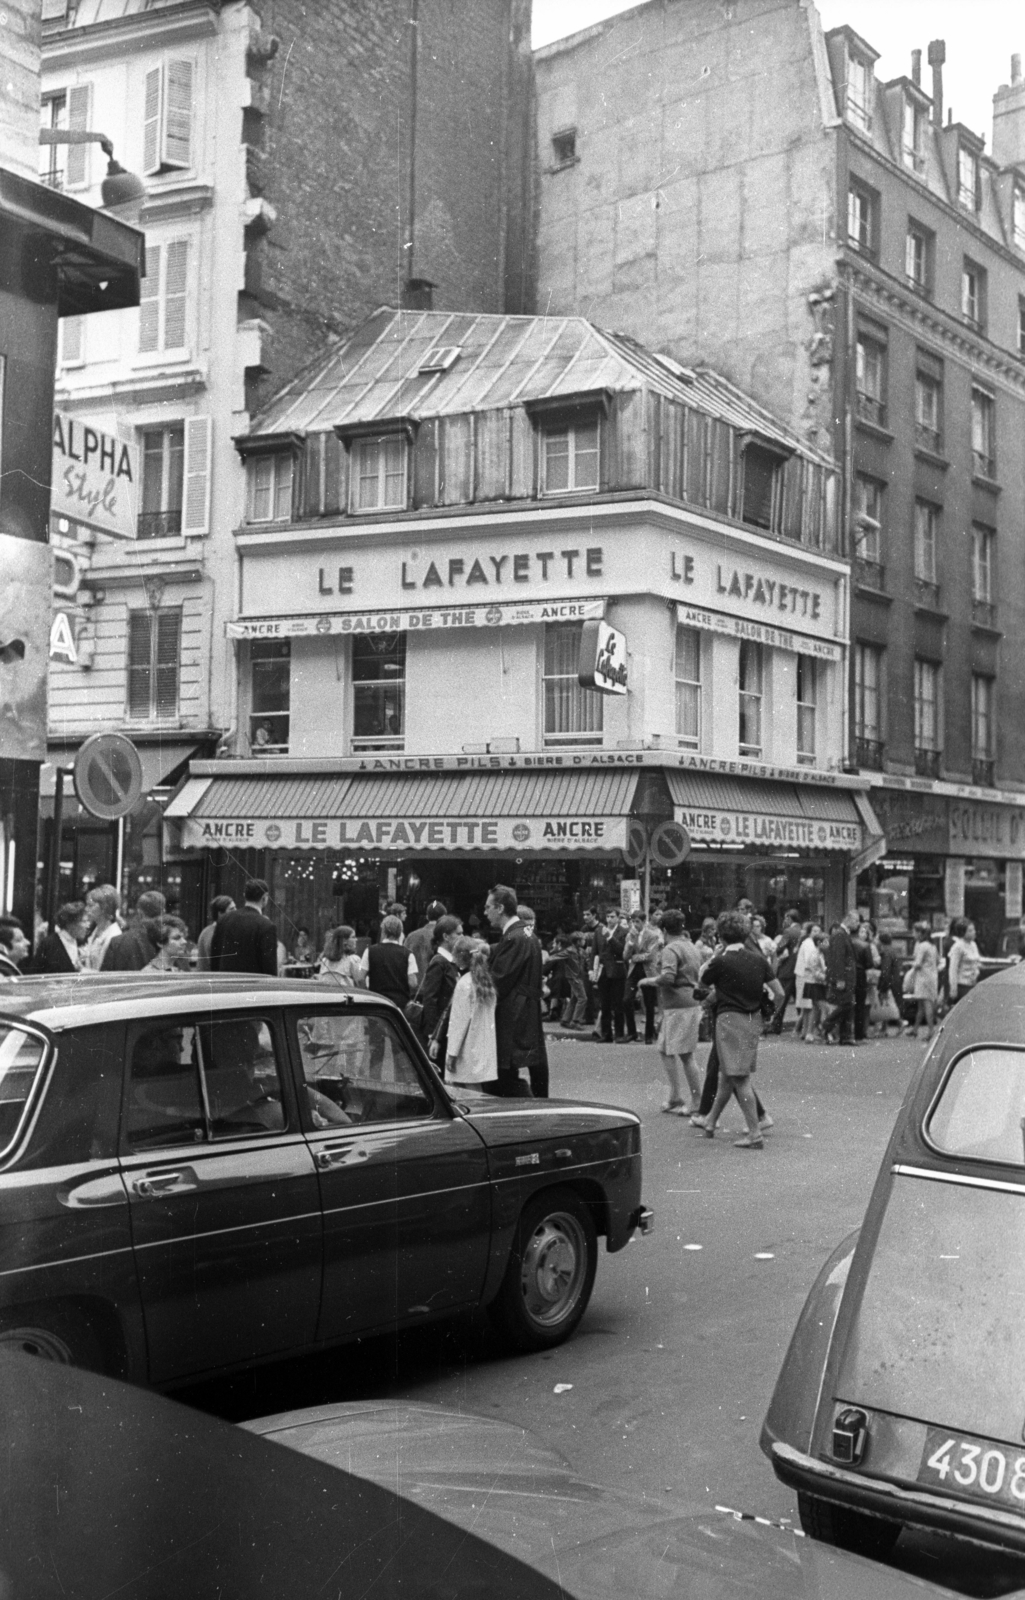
<point x="681" y="1015"/>
<point x="740" y="978"/>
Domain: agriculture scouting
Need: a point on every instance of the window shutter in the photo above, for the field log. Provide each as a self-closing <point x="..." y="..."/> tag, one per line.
<point x="425" y="464"/>
<point x="695" y="489"/>
<point x="151" y="122"/>
<point x="168" y="654"/>
<point x="178" y="115"/>
<point x="76" y="167"/>
<point x="72" y="341"/>
<point x="196" y="515"/>
<point x="138" y="663"/>
<point x="793" y="498"/>
<point x="311" y="474"/>
<point x="176" y="276"/>
<point x="149" y="301"/>
<point x="722" y="465"/>
<point x="336" y="463"/>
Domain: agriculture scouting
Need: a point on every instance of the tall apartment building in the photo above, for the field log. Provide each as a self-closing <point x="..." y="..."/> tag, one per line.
<point x="302" y="164"/>
<point x="729" y="184"/>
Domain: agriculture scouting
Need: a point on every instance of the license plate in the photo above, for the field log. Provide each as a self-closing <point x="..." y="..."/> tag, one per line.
<point x="975" y="1468"/>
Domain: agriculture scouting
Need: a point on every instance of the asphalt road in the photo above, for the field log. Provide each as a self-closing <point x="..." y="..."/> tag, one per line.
<point x="664" y="1387"/>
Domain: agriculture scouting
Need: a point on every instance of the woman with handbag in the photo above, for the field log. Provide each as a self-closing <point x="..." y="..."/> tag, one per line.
<point x="439" y="982"/>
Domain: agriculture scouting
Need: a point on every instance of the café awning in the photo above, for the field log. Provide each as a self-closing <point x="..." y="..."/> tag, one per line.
<point x="760" y="813"/>
<point x="404" y="815"/>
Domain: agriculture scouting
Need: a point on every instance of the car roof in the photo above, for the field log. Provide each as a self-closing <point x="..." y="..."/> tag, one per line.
<point x="993" y="1012"/>
<point x="70" y="1000"/>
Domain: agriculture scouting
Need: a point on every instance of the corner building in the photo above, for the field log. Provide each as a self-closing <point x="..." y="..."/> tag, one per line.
<point x="435" y="510"/>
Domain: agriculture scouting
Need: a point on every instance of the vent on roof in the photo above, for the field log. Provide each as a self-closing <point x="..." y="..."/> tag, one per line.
<point x="674" y="367"/>
<point x="440" y="358"/>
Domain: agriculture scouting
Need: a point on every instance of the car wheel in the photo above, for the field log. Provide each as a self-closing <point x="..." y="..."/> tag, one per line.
<point x="849" y="1530"/>
<point x="58" y="1339"/>
<point x="550" y="1274"/>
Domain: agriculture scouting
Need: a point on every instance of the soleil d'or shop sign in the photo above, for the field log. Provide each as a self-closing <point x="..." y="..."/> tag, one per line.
<point x="94" y="477"/>
<point x="406" y="835"/>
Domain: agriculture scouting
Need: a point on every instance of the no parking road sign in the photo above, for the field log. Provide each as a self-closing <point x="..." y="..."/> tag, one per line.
<point x="108" y="775"/>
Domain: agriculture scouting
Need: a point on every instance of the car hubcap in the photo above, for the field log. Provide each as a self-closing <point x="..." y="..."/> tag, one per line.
<point x="553" y="1268"/>
<point x="36" y="1342"/>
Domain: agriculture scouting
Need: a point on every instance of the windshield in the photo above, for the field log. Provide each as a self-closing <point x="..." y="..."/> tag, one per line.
<point x="21" y="1060"/>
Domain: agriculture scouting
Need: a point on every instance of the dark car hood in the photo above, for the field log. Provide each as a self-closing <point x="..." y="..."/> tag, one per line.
<point x="502" y="1484"/>
<point x="500" y="1121"/>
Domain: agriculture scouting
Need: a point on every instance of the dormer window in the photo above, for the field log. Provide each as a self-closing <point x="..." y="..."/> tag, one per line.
<point x="762" y="484"/>
<point x="379" y="473"/>
<point x="967" y="178"/>
<point x="911" y="135"/>
<point x="859" y="92"/>
<point x="570" y="456"/>
<point x="270" y="487"/>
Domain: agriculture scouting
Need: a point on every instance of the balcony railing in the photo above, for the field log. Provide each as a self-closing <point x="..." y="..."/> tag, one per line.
<point x="869" y="753"/>
<point x="982" y="771"/>
<point x="927" y="763"/>
<point x="984" y="612"/>
<point x="870" y="573"/>
<point x="927" y="594"/>
<point x="54" y="179"/>
<point x="158" y="524"/>
<point x="871" y="409"/>
<point x="983" y="465"/>
<point x="928" y="438"/>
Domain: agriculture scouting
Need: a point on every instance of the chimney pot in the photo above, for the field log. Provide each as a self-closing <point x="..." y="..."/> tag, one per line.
<point x="937" y="56"/>
<point x="916" y="66"/>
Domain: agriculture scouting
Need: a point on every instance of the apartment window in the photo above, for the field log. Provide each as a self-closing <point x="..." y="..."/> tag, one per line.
<point x="868" y="518"/>
<point x="270" y="688"/>
<point x="378" y="691"/>
<point x="926" y="525"/>
<point x="1018" y="216"/>
<point x="53" y="114"/>
<point x="859" y="92"/>
<point x="167" y="117"/>
<point x="868" y="726"/>
<point x="982" y="729"/>
<point x="380" y="472"/>
<point x="983" y="550"/>
<point x="973" y="294"/>
<point x="573" y="715"/>
<point x="163" y="477"/>
<point x="918" y="259"/>
<point x="927" y="706"/>
<point x="911" y="136"/>
<point x="870" y="379"/>
<point x="929" y="402"/>
<point x="564" y="148"/>
<point x="807" y="699"/>
<point x="154" y="649"/>
<point x="751" y="691"/>
<point x="983" y="433"/>
<point x="688" y="687"/>
<point x="967" y="178"/>
<point x="571" y="457"/>
<point x="270" y="487"/>
<point x="163" y="296"/>
<point x="862" y="212"/>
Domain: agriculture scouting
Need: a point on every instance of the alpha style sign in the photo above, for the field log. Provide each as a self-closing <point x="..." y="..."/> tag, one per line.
<point x="95" y="477"/>
<point x="405" y="836"/>
<point x="602" y="663"/>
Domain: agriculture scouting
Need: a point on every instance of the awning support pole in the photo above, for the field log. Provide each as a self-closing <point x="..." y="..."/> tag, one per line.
<point x="53" y="884"/>
<point x="120" y="861"/>
<point x="647" y="885"/>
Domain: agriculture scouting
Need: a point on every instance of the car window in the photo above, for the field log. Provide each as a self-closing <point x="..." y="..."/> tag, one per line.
<point x="194" y="1083"/>
<point x="357" y="1069"/>
<point x="79" y="1114"/>
<point x="980" y="1110"/>
<point x="21" y="1060"/>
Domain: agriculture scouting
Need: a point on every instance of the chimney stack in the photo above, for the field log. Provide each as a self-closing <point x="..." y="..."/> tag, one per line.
<point x="916" y="68"/>
<point x="1009" y="119"/>
<point x="1015" y="69"/>
<point x="937" y="56"/>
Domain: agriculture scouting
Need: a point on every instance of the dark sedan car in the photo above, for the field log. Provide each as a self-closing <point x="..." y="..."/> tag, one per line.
<point x="201" y="1172"/>
<point x="902" y="1397"/>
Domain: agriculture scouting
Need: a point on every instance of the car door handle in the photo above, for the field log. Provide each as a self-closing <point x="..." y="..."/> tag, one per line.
<point x="154" y="1184"/>
<point x="338" y="1155"/>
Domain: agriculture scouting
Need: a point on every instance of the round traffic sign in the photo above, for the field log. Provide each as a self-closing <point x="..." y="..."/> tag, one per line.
<point x="108" y="775"/>
<point x="636" y="847"/>
<point x="670" y="844"/>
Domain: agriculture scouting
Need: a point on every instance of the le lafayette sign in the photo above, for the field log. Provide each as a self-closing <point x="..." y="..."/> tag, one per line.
<point x="602" y="663"/>
<point x="94" y="478"/>
<point x="341" y="572"/>
<point x="753" y="828"/>
<point x="406" y="835"/>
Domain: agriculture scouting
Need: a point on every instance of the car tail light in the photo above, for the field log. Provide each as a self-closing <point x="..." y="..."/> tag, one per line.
<point x="850" y="1435"/>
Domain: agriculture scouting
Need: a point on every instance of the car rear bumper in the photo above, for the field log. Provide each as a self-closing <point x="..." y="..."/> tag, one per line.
<point x="878" y="1498"/>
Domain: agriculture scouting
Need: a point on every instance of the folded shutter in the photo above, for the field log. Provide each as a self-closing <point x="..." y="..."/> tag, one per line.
<point x="151" y="140"/>
<point x="168" y="653"/>
<point x="336" y="470"/>
<point x="76" y="167"/>
<point x="176" y="276"/>
<point x="196" y="515"/>
<point x="178" y="115"/>
<point x="149" y="301"/>
<point x="139" y="634"/>
<point x="696" y="487"/>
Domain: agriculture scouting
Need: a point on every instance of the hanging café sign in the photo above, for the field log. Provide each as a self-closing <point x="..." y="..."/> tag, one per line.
<point x="405" y="835"/>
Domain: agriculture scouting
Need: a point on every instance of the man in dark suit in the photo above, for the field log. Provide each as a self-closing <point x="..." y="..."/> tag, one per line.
<point x="134" y="949"/>
<point x="245" y="940"/>
<point x="841" y="976"/>
<point x="516" y="961"/>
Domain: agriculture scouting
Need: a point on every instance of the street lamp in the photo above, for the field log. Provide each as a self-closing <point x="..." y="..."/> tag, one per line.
<point x="119" y="187"/>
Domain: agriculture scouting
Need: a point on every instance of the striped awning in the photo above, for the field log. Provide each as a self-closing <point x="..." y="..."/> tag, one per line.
<point x="761" y="813"/>
<point x="521" y="812"/>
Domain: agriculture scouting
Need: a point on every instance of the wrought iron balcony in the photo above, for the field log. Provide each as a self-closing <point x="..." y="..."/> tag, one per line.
<point x="927" y="594"/>
<point x="982" y="771"/>
<point x="984" y="612"/>
<point x="871" y="409"/>
<point x="158" y="524"/>
<point x="870" y="573"/>
<point x="927" y="763"/>
<point x="869" y="753"/>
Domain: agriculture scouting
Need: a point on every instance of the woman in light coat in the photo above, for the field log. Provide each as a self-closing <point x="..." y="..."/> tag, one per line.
<point x="471" y="1052"/>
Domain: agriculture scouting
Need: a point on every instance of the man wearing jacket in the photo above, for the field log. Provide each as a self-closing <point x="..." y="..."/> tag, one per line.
<point x="134" y="949"/>
<point x="516" y="962"/>
<point x="245" y="940"/>
<point x="841" y="977"/>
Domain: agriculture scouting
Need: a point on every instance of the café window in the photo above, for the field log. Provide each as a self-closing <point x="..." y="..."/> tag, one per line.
<point x="570" y="456"/>
<point x="807" y="703"/>
<point x="573" y="715"/>
<point x="163" y="476"/>
<point x="154" y="649"/>
<point x="378" y="691"/>
<point x="751" y="681"/>
<point x="379" y="473"/>
<point x="762" y="487"/>
<point x="270" y="487"/>
<point x="688" y="687"/>
<point x="270" y="687"/>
